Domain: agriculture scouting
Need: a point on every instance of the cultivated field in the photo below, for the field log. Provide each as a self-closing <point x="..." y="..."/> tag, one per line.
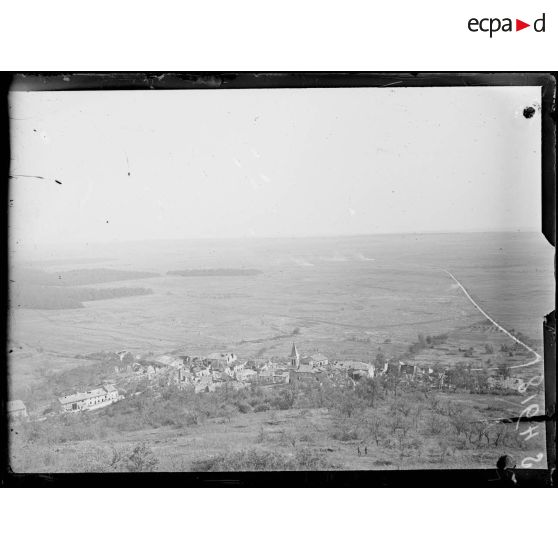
<point x="347" y="298"/>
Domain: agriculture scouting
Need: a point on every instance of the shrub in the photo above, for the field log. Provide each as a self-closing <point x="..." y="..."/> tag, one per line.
<point x="436" y="424"/>
<point x="140" y="459"/>
<point x="262" y="436"/>
<point x="307" y="437"/>
<point x="288" y="439"/>
<point x="306" y="459"/>
<point x="256" y="460"/>
<point x="284" y="400"/>
<point x="345" y="431"/>
<point x="261" y="407"/>
<point x="243" y="407"/>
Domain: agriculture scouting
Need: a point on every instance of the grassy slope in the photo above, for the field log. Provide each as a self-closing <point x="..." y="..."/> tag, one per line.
<point x="179" y="449"/>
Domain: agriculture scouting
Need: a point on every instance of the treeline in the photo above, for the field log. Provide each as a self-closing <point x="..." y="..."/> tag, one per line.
<point x="39" y="297"/>
<point x="428" y="341"/>
<point x="87" y="294"/>
<point x="75" y="277"/>
<point x="78" y="277"/>
<point x="217" y="272"/>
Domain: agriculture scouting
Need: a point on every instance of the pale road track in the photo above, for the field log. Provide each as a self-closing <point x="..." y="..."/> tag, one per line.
<point x="537" y="358"/>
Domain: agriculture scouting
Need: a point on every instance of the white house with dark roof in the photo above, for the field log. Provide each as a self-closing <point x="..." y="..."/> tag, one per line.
<point x="93" y="399"/>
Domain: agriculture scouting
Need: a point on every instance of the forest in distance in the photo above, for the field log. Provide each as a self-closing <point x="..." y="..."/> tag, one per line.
<point x="37" y="289"/>
<point x="372" y="300"/>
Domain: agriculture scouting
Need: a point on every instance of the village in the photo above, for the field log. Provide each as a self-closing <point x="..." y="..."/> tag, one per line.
<point x="226" y="370"/>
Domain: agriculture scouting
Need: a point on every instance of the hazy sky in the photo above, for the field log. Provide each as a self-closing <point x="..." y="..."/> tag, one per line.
<point x="291" y="162"/>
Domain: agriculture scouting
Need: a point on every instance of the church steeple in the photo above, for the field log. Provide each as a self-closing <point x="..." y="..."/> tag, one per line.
<point x="295" y="357"/>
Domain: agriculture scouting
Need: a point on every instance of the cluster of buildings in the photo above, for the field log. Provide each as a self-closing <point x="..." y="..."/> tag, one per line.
<point x="224" y="370"/>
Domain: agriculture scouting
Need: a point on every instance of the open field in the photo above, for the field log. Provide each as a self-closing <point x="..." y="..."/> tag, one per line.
<point x="335" y="290"/>
<point x="344" y="297"/>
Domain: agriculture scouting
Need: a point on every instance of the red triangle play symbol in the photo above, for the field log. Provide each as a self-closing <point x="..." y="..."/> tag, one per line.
<point x="519" y="25"/>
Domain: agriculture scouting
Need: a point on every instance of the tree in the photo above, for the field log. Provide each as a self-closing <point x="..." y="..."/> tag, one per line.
<point x="376" y="428"/>
<point x="480" y="378"/>
<point x="348" y="403"/>
<point x="141" y="459"/>
<point x="504" y="370"/>
<point x="367" y="389"/>
<point x="461" y="423"/>
<point x="380" y="360"/>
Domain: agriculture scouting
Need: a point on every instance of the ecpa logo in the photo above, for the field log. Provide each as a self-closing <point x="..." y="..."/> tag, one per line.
<point x="492" y="25"/>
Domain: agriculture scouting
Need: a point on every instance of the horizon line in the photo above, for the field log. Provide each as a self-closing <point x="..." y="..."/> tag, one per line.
<point x="293" y="237"/>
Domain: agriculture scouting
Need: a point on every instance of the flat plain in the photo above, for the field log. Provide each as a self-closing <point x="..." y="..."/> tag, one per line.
<point x="345" y="297"/>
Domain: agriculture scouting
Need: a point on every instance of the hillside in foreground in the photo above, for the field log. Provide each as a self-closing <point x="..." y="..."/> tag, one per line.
<point x="277" y="429"/>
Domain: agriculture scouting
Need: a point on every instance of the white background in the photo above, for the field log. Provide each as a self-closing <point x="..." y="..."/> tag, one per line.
<point x="272" y="35"/>
<point x="264" y="35"/>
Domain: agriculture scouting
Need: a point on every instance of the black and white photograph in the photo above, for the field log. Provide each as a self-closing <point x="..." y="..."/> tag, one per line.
<point x="285" y="277"/>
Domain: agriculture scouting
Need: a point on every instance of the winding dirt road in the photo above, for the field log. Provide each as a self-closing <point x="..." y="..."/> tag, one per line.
<point x="535" y="360"/>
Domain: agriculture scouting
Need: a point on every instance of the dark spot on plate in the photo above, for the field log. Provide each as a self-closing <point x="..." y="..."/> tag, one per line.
<point x="528" y="112"/>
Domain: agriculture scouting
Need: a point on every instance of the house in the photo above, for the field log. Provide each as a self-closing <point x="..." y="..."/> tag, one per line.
<point x="221" y="368"/>
<point x="500" y="382"/>
<point x="82" y="400"/>
<point x="199" y="371"/>
<point x="93" y="399"/>
<point x="382" y="369"/>
<point x="237" y="366"/>
<point x="221" y="375"/>
<point x="184" y="376"/>
<point x="168" y="360"/>
<point x="224" y="358"/>
<point x="306" y="374"/>
<point x="190" y="360"/>
<point x="409" y="370"/>
<point x="204" y="384"/>
<point x="281" y="377"/>
<point x="265" y="375"/>
<point x="356" y="367"/>
<point x="112" y="393"/>
<point x="246" y="375"/>
<point x="260" y="363"/>
<point x="319" y="360"/>
<point x="394" y="368"/>
<point x="233" y="385"/>
<point x="16" y="409"/>
<point x="137" y="368"/>
<point x="125" y="356"/>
